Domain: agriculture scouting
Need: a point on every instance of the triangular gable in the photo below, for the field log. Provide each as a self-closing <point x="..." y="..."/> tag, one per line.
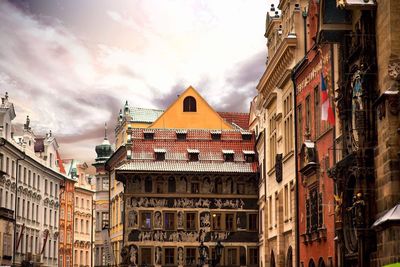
<point x="205" y="117"/>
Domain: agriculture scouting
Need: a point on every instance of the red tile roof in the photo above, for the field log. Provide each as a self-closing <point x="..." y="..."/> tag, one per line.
<point x="211" y="157"/>
<point x="240" y="119"/>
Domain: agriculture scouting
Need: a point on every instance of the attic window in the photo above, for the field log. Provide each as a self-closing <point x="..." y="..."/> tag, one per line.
<point x="181" y="134"/>
<point x="148" y="135"/>
<point x="193" y="154"/>
<point x="215" y="135"/>
<point x="246" y="136"/>
<point x="229" y="155"/>
<point x="189" y="104"/>
<point x="249" y="155"/>
<point x="159" y="154"/>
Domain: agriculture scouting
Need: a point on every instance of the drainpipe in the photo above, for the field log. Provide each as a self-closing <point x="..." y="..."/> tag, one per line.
<point x="304" y="14"/>
<point x="296" y="168"/>
<point x="91" y="237"/>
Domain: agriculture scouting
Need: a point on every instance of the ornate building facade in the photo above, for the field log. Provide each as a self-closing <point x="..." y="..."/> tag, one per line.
<point x="314" y="80"/>
<point x="189" y="186"/>
<point x="31" y="182"/>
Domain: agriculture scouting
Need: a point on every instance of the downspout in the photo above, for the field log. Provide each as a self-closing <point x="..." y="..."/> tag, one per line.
<point x="296" y="168"/>
<point x="304" y="15"/>
<point x="91" y="237"/>
<point x="333" y="88"/>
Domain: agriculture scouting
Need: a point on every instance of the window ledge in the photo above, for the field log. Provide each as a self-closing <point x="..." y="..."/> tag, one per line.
<point x="288" y="156"/>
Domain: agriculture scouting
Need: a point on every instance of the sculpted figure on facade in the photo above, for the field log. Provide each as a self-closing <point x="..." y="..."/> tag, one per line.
<point x="157" y="220"/>
<point x="158" y="255"/>
<point x="205" y="220"/>
<point x="180" y="256"/>
<point x="132" y="219"/>
<point x="133" y="254"/>
<point x="182" y="185"/>
<point x="180" y="219"/>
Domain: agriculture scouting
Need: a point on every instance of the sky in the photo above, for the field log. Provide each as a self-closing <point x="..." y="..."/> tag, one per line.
<point x="71" y="65"/>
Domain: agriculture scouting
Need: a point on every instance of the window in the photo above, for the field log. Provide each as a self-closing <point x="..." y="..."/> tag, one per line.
<point x="253" y="256"/>
<point x="228" y="157"/>
<point x="19" y="170"/>
<point x="148" y="185"/>
<point x="181" y="136"/>
<point x="33" y="212"/>
<point x="169" y="221"/>
<point x="171" y="185"/>
<point x="45" y="215"/>
<point x="37" y="212"/>
<point x="38" y="182"/>
<point x="82" y="203"/>
<point x="12" y="168"/>
<point x="230" y="222"/>
<point x="76" y="202"/>
<point x="34" y="180"/>
<point x="314" y="211"/>
<point x="148" y="135"/>
<point x="2" y="162"/>
<point x="56" y="190"/>
<point x="300" y="126"/>
<point x="8" y="165"/>
<point x="286" y="202"/>
<point x="190" y="221"/>
<point x="246" y="136"/>
<point x="51" y="188"/>
<point x="216" y="221"/>
<point x="193" y="156"/>
<point x="308" y="115"/>
<point x="195" y="187"/>
<point x="190" y="256"/>
<point x="29" y="178"/>
<point x="270" y="211"/>
<point x="146" y="220"/>
<point x="45" y="186"/>
<point x="232" y="256"/>
<point x="253" y="222"/>
<point x="7" y="243"/>
<point x="24" y="175"/>
<point x="6" y="200"/>
<point x="146" y="256"/>
<point x="87" y="226"/>
<point x="1" y="197"/>
<point x="216" y="135"/>
<point x="28" y="207"/>
<point x="272" y="142"/>
<point x="249" y="157"/>
<point x="160" y="156"/>
<point x="81" y="228"/>
<point x="87" y="204"/>
<point x="55" y="219"/>
<point x="317" y="111"/>
<point x="104" y="219"/>
<point x="288" y="123"/>
<point x="189" y="104"/>
<point x="169" y="255"/>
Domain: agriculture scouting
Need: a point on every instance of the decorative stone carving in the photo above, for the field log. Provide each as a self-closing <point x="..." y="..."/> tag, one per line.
<point x="133" y="255"/>
<point x="279" y="168"/>
<point x="180" y="256"/>
<point x="132" y="219"/>
<point x="158" y="255"/>
<point x="180" y="219"/>
<point x="394" y="69"/>
<point x="157" y="220"/>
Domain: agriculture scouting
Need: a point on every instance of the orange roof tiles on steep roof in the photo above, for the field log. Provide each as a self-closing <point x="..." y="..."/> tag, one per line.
<point x="240" y="119"/>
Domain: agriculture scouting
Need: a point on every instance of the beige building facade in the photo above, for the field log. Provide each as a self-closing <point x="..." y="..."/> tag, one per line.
<point x="275" y="109"/>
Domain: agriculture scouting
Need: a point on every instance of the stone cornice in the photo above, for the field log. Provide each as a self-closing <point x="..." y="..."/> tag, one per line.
<point x="279" y="64"/>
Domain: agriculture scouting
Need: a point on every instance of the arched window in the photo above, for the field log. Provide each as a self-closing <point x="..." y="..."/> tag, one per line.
<point x="311" y="263"/>
<point x="218" y="186"/>
<point x="321" y="262"/>
<point x="289" y="257"/>
<point x="272" y="259"/>
<point x="189" y="104"/>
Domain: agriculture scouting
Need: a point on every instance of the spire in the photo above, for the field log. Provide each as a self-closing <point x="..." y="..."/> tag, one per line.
<point x="105" y="131"/>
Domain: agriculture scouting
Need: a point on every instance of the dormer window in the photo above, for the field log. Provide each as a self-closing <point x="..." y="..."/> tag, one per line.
<point x="246" y="136"/>
<point x="193" y="154"/>
<point x="189" y="104"/>
<point x="159" y="154"/>
<point x="181" y="135"/>
<point x="249" y="155"/>
<point x="215" y="135"/>
<point x="229" y="155"/>
<point x="148" y="135"/>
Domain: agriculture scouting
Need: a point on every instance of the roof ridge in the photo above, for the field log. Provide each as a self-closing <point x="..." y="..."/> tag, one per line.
<point x="146" y="108"/>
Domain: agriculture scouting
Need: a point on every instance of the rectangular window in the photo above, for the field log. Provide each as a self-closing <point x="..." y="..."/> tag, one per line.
<point x="24" y="175"/>
<point x="160" y="156"/>
<point x="300" y="126"/>
<point x="34" y="180"/>
<point x="272" y="142"/>
<point x="146" y="256"/>
<point x="33" y="211"/>
<point x="12" y="168"/>
<point x="253" y="256"/>
<point x="270" y="211"/>
<point x="38" y="182"/>
<point x="7" y="244"/>
<point x="216" y="221"/>
<point x="105" y="219"/>
<point x="286" y="202"/>
<point x="317" y="111"/>
<point x="308" y="115"/>
<point x="29" y="177"/>
<point x="56" y="190"/>
<point x="146" y="220"/>
<point x="169" y="256"/>
<point x="28" y="207"/>
<point x="232" y="256"/>
<point x="45" y="187"/>
<point x="253" y="222"/>
<point x="169" y="221"/>
<point x="190" y="221"/>
<point x="8" y="165"/>
<point x="230" y="222"/>
<point x="45" y="216"/>
<point x="288" y="123"/>
<point x="160" y="187"/>
<point x="191" y="256"/>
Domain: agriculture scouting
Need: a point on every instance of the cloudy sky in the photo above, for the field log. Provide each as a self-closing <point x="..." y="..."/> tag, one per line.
<point x="70" y="65"/>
